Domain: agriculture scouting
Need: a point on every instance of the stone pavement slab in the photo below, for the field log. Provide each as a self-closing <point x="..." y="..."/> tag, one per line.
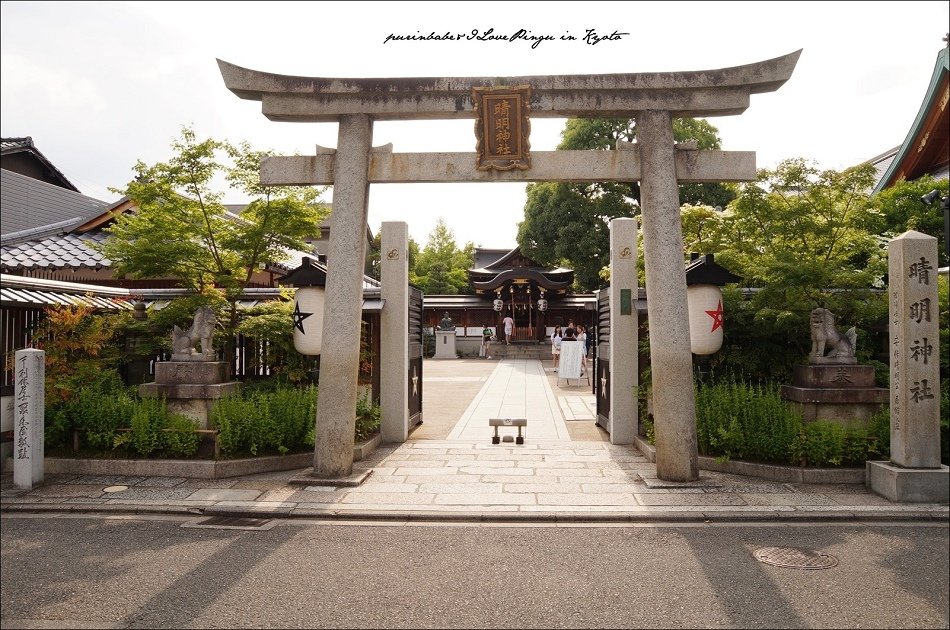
<point x="517" y="388"/>
<point x="544" y="481"/>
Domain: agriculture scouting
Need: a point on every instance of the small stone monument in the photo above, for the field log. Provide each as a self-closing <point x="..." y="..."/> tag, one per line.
<point x="29" y="372"/>
<point x="193" y="380"/>
<point x="833" y="386"/>
<point x="445" y="339"/>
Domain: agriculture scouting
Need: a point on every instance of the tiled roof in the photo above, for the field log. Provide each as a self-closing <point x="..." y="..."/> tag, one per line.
<point x="31" y="292"/>
<point x="924" y="150"/>
<point x="57" y="251"/>
<point x="882" y="162"/>
<point x="27" y="203"/>
<point x="9" y="146"/>
<point x="58" y="248"/>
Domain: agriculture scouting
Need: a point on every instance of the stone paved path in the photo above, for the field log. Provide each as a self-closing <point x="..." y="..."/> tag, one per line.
<point x="550" y="478"/>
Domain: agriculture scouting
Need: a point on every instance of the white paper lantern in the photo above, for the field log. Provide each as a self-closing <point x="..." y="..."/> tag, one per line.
<point x="542" y="305"/>
<point x="308" y="320"/>
<point x="705" y="318"/>
<point x="499" y="304"/>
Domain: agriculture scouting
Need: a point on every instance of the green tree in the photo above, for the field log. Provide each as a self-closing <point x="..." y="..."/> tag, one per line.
<point x="181" y="229"/>
<point x="568" y="223"/>
<point x="900" y="208"/>
<point x="799" y="235"/>
<point x="374" y="255"/>
<point x="441" y="268"/>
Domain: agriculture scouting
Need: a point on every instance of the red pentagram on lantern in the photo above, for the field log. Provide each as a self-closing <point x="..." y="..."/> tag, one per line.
<point x="717" y="317"/>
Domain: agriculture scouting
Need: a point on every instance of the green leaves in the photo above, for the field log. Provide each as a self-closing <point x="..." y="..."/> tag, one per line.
<point x="441" y="267"/>
<point x="180" y="228"/>
<point x="569" y="222"/>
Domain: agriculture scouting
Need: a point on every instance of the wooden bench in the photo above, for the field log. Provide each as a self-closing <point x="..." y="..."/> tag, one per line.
<point x="508" y="422"/>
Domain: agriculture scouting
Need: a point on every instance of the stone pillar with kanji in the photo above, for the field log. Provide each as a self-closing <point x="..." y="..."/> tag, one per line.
<point x="914" y="472"/>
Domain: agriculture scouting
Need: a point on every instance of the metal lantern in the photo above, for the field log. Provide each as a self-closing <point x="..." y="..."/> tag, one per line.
<point x="704" y="297"/>
<point x="310" y="279"/>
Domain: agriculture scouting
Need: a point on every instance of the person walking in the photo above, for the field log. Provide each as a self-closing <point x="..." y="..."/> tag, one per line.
<point x="582" y="337"/>
<point x="486" y="341"/>
<point x="556" y="346"/>
<point x="509" y="329"/>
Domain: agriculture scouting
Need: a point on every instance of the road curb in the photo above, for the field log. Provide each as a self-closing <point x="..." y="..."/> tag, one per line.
<point x="579" y="518"/>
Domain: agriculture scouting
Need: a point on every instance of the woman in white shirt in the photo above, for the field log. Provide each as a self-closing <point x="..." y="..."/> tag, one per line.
<point x="556" y="345"/>
<point x="582" y="337"/>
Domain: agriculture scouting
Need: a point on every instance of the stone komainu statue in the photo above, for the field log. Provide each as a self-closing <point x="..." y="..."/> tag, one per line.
<point x="202" y="328"/>
<point x="824" y="336"/>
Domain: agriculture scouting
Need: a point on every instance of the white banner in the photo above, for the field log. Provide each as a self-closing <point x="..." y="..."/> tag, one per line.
<point x="569" y="365"/>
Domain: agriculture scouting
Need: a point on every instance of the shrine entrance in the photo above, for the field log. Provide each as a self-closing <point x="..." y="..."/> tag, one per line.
<point x="502" y="108"/>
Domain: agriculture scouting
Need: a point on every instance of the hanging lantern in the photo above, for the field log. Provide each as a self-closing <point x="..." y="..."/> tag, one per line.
<point x="542" y="305"/>
<point x="705" y="318"/>
<point x="704" y="297"/>
<point x="499" y="304"/>
<point x="310" y="280"/>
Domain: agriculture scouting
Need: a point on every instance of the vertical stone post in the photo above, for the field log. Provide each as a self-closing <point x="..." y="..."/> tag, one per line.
<point x="29" y="405"/>
<point x="671" y="361"/>
<point x="339" y="360"/>
<point x="914" y="472"/>
<point x="623" y="331"/>
<point x="915" y="352"/>
<point x="394" y="346"/>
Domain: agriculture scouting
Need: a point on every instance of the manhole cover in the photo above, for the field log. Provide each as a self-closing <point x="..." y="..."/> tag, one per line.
<point x="233" y="522"/>
<point x="792" y="558"/>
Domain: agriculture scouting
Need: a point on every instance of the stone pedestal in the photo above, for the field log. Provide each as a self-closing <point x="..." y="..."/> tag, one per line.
<point x="838" y="393"/>
<point x="445" y="344"/>
<point x="190" y="387"/>
<point x="909" y="485"/>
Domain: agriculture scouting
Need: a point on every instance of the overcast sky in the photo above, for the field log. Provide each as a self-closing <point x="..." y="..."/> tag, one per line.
<point x="99" y="85"/>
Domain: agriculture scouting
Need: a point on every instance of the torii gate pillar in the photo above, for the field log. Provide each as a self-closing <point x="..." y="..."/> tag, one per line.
<point x="671" y="360"/>
<point x="339" y="360"/>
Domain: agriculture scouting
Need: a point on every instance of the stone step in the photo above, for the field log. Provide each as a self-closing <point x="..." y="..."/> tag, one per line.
<point x="521" y="351"/>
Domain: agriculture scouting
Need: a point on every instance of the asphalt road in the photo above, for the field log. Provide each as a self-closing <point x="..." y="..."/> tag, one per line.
<point x="139" y="572"/>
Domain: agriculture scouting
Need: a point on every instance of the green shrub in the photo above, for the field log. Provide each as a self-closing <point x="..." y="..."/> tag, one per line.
<point x="148" y="419"/>
<point x="99" y="414"/>
<point x="367" y="418"/>
<point x="738" y="420"/>
<point x="265" y="421"/>
<point x="743" y="421"/>
<point x="231" y="416"/>
<point x="945" y="419"/>
<point x="57" y="427"/>
<point x="180" y="440"/>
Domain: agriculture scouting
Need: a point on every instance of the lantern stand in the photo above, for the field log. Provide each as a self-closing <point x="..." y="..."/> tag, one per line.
<point x="310" y="279"/>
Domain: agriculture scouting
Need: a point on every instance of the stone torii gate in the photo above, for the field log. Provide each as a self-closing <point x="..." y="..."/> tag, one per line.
<point x="653" y="99"/>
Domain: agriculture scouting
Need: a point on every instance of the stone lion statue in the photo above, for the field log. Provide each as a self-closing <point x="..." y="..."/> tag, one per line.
<point x="824" y="336"/>
<point x="202" y="328"/>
